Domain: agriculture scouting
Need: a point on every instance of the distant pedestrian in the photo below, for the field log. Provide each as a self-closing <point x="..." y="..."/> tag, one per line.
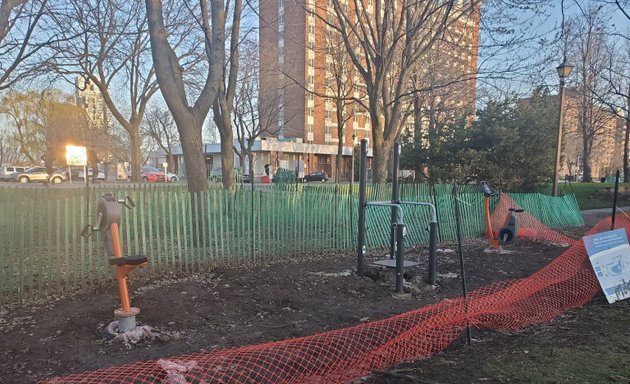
<point x="49" y="160"/>
<point x="92" y="160"/>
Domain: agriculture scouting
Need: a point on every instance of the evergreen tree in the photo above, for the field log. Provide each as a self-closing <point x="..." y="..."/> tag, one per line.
<point x="510" y="145"/>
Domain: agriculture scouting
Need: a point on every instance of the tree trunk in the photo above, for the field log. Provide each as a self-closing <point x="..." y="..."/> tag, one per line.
<point x="626" y="145"/>
<point x="241" y="161"/>
<point x="586" y="162"/>
<point x="380" y="161"/>
<point x="341" y="128"/>
<point x="171" y="161"/>
<point x="339" y="159"/>
<point x="194" y="160"/>
<point x="417" y="138"/>
<point x="626" y="142"/>
<point x="136" y="155"/>
<point x="227" y="154"/>
<point x="250" y="159"/>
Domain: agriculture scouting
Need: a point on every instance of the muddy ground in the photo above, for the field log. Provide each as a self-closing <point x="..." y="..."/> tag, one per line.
<point x="236" y="306"/>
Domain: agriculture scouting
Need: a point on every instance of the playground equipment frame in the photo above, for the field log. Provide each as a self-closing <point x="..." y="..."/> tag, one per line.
<point x="397" y="225"/>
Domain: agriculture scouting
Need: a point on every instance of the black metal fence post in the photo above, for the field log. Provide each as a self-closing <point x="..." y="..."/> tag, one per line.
<point x="362" y="202"/>
<point x="395" y="198"/>
<point x="614" y="208"/>
<point x="458" y="226"/>
<point x="433" y="228"/>
<point x="400" y="248"/>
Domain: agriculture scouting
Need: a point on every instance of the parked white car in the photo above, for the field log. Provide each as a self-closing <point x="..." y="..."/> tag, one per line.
<point x="99" y="176"/>
<point x="7" y="170"/>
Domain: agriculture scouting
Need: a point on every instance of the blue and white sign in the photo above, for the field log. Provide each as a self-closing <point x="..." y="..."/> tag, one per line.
<point x="609" y="254"/>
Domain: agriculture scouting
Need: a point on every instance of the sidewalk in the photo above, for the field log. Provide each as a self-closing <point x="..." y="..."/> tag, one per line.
<point x="592" y="216"/>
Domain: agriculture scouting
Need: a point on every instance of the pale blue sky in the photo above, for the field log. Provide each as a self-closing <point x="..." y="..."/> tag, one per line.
<point x="533" y="59"/>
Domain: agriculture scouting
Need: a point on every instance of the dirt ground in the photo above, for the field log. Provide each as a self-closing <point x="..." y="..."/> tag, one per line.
<point x="236" y="306"/>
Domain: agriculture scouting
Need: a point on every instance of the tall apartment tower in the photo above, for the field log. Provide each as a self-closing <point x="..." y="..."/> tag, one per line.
<point x="89" y="97"/>
<point x="298" y="66"/>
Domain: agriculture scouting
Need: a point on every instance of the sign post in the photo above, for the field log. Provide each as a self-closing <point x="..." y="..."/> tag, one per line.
<point x="76" y="155"/>
<point x="609" y="254"/>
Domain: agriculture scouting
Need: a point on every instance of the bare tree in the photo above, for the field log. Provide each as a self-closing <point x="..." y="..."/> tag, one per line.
<point x="23" y="110"/>
<point x="20" y="44"/>
<point x="443" y="95"/>
<point x="160" y="127"/>
<point x="385" y="40"/>
<point x="107" y="46"/>
<point x="43" y="120"/>
<point x="189" y="118"/>
<point x="341" y="90"/>
<point x="251" y="117"/>
<point x="617" y="76"/>
<point x="626" y="140"/>
<point x="224" y="102"/>
<point x="590" y="51"/>
<point x="9" y="149"/>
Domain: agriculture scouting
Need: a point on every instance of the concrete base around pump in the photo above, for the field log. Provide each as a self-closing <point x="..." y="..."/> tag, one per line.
<point x="126" y="319"/>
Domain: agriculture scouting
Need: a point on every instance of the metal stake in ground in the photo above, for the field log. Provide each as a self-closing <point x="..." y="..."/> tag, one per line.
<point x="362" y="201"/>
<point x="395" y="198"/>
<point x="614" y="212"/>
<point x="399" y="230"/>
<point x="458" y="226"/>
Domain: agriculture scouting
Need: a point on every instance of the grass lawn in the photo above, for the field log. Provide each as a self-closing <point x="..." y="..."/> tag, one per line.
<point x="596" y="195"/>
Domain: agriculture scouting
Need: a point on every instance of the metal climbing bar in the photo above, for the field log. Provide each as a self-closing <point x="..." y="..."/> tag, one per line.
<point x="433" y="228"/>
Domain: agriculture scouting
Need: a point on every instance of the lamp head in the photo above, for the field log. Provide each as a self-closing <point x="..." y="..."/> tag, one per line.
<point x="564" y="70"/>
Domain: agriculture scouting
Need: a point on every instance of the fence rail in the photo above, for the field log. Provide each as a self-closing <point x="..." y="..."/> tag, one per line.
<point x="42" y="251"/>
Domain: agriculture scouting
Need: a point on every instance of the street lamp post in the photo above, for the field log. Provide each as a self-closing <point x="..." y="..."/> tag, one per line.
<point x="352" y="164"/>
<point x="564" y="70"/>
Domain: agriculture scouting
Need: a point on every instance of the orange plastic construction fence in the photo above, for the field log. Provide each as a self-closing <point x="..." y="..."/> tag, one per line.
<point x="528" y="225"/>
<point x="346" y="354"/>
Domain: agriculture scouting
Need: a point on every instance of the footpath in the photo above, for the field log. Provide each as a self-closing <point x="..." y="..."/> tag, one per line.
<point x="592" y="216"/>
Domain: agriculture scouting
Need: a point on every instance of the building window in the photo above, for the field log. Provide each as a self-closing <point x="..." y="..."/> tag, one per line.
<point x="310" y="112"/>
<point x="324" y="159"/>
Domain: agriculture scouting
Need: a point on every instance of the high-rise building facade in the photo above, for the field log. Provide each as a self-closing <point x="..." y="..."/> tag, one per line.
<point x="88" y="96"/>
<point x="604" y="132"/>
<point x="303" y="71"/>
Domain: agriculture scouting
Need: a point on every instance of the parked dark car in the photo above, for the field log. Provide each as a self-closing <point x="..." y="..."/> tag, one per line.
<point x="315" y="176"/>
